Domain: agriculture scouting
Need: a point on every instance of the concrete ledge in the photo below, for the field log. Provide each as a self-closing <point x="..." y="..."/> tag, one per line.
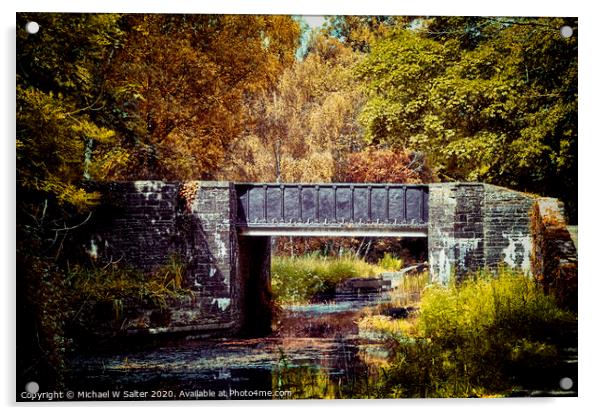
<point x="383" y="232"/>
<point x="182" y="329"/>
<point x="455" y="184"/>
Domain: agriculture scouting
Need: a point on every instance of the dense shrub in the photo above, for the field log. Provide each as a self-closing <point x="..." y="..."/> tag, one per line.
<point x="477" y="338"/>
<point x="374" y="165"/>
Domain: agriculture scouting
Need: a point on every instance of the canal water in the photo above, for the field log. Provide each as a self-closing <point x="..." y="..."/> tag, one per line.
<point x="316" y="352"/>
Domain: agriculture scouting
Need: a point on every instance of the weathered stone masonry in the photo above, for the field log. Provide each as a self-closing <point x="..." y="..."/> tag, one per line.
<point x="476" y="225"/>
<point x="456" y="235"/>
<point x="145" y="223"/>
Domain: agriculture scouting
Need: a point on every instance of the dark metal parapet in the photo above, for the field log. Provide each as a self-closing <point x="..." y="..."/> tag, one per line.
<point x="318" y="208"/>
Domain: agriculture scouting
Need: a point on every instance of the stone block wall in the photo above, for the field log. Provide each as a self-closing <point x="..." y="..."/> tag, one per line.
<point x="145" y="224"/>
<point x="456" y="234"/>
<point x="507" y="226"/>
<point x="135" y="224"/>
<point x="442" y="213"/>
<point x="474" y="226"/>
<point x="209" y="245"/>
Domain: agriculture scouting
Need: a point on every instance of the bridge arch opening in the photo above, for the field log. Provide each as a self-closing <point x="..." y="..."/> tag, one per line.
<point x="263" y="301"/>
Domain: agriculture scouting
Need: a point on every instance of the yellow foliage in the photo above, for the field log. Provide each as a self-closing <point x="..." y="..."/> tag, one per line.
<point x="304" y="126"/>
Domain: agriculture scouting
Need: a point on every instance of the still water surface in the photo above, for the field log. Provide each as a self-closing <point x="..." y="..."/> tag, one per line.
<point x="316" y="353"/>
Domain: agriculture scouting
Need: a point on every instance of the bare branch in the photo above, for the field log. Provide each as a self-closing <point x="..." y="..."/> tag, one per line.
<point x="66" y="228"/>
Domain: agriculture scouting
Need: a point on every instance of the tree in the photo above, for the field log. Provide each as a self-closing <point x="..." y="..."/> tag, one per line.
<point x="110" y="97"/>
<point x="181" y="82"/>
<point x="60" y="94"/>
<point x="361" y="32"/>
<point x="60" y="86"/>
<point x="488" y="99"/>
<point x="306" y="125"/>
<point x="398" y="75"/>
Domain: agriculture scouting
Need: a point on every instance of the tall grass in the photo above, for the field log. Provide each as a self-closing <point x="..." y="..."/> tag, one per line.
<point x="375" y="323"/>
<point x="478" y="338"/>
<point x="410" y="288"/>
<point x="390" y="262"/>
<point x="299" y="279"/>
<point x="116" y="285"/>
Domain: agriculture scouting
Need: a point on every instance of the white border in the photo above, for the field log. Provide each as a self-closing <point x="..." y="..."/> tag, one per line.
<point x="589" y="201"/>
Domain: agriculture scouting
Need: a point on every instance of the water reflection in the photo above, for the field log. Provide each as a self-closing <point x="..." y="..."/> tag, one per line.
<point x="316" y="353"/>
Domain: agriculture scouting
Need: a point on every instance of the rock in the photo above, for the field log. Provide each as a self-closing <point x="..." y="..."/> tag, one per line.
<point x="363" y="285"/>
<point x="398" y="312"/>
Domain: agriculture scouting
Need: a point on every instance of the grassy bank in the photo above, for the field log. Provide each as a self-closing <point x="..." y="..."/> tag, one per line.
<point x="486" y="336"/>
<point x="299" y="279"/>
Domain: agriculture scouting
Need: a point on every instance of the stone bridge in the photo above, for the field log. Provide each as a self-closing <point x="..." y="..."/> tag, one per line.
<point x="222" y="230"/>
